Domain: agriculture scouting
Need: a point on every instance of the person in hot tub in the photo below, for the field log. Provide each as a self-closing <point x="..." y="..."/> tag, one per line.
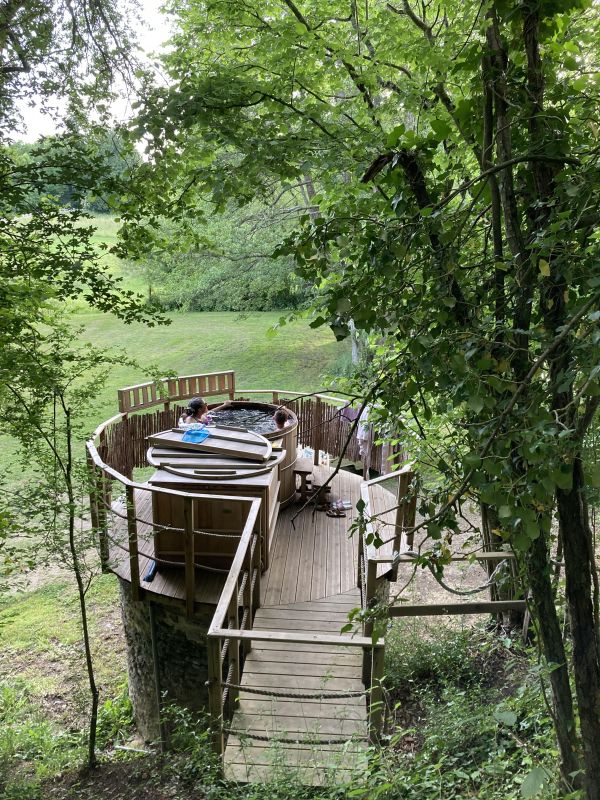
<point x="282" y="419"/>
<point x="197" y="411"/>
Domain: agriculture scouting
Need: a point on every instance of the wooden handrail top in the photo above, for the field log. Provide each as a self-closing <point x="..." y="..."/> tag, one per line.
<point x="406" y="468"/>
<point x="294" y="638"/>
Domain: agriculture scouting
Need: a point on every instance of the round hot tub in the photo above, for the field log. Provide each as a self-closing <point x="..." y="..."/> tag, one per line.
<point x="258" y="417"/>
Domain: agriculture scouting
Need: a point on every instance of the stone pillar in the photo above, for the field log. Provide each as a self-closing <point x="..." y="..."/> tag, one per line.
<point x="182" y="658"/>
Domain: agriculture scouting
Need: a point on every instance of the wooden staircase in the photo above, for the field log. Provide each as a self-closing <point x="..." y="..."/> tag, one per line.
<point x="317" y="737"/>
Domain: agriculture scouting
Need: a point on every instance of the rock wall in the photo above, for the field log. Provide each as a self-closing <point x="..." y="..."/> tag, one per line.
<point x="182" y="658"/>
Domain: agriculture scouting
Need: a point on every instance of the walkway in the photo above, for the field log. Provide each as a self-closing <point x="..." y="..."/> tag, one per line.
<point x="322" y="740"/>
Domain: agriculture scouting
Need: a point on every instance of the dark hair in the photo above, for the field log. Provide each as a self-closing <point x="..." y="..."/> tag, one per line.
<point x="281" y="415"/>
<point x="195" y="404"/>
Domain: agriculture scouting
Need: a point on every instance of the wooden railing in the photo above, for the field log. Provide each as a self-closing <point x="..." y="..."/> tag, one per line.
<point x="387" y="544"/>
<point x="322" y="427"/>
<point x="101" y="505"/>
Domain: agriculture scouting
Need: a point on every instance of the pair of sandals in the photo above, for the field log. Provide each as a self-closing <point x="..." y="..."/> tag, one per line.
<point x="336" y="509"/>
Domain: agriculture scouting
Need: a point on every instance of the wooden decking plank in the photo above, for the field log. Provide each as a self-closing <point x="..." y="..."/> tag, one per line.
<point x="292" y="568"/>
<point x="283" y="724"/>
<point x="314" y="625"/>
<point x="308" y="558"/>
<point x="291" y="614"/>
<point x="352" y="708"/>
<point x="273" y="577"/>
<point x="313" y="753"/>
<point x="308" y="776"/>
<point x="331" y="658"/>
<point x="312" y="670"/>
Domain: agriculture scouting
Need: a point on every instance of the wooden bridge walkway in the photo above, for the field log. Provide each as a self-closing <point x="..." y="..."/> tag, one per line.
<point x="319" y="739"/>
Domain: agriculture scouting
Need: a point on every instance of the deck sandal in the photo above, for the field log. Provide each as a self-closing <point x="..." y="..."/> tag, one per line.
<point x="336" y="512"/>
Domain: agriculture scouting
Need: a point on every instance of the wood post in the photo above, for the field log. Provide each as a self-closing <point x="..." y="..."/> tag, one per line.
<point x="376" y="693"/>
<point x="215" y="693"/>
<point x="316" y="432"/>
<point x="102" y="520"/>
<point x="134" y="559"/>
<point x="190" y="567"/>
<point x="247" y="596"/>
<point x="276" y="398"/>
<point x="234" y="671"/>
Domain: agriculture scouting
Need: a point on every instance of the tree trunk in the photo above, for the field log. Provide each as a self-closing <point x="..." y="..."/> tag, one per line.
<point x="579" y="569"/>
<point x="539" y="578"/>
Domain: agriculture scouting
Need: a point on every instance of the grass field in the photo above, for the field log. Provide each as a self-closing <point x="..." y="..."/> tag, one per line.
<point x="296" y="358"/>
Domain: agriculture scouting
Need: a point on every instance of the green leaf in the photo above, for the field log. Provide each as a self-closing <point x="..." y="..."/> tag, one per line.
<point x="476" y="403"/>
<point x="505" y="512"/>
<point x="395" y="135"/>
<point x="544" y="268"/>
<point x="534" y="782"/>
<point x="441" y="128"/>
<point x="508" y="718"/>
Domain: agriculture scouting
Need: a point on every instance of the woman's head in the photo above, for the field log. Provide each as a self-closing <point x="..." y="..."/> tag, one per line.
<point x="196" y="406"/>
<point x="280" y="417"/>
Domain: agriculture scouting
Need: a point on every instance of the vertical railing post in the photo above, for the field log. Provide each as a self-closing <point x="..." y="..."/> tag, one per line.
<point x="316" y="432"/>
<point x="360" y="564"/>
<point x="376" y="693"/>
<point x="102" y="519"/>
<point x="371" y="589"/>
<point x="234" y="654"/>
<point x="275" y="398"/>
<point x="215" y="693"/>
<point x="134" y="558"/>
<point x="256" y="570"/>
<point x="190" y="567"/>
<point x="247" y="598"/>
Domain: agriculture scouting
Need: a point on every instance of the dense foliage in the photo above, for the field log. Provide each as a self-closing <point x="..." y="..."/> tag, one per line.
<point x="230" y="267"/>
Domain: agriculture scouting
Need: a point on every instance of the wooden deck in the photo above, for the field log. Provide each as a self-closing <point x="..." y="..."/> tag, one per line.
<point x="311" y="556"/>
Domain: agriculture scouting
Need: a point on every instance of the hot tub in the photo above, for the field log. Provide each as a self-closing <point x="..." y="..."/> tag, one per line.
<point x="259" y="418"/>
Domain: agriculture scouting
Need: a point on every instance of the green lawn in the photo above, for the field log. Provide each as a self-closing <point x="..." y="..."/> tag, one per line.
<point x="296" y="358"/>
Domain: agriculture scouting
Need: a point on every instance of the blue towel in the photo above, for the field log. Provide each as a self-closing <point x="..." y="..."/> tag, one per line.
<point x="195" y="435"/>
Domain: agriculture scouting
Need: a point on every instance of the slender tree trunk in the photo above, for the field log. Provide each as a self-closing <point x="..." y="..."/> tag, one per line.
<point x="540" y="583"/>
<point x="579" y="568"/>
<point x="81" y="591"/>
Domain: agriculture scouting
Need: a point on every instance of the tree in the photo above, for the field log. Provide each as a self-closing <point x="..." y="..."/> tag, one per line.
<point x="45" y="396"/>
<point x="454" y="155"/>
<point x="67" y="50"/>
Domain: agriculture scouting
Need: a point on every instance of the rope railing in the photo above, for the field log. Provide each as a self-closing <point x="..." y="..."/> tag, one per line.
<point x="308" y="741"/>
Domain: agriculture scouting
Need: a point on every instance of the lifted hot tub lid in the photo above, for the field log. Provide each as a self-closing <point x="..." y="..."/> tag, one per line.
<point x="221" y="441"/>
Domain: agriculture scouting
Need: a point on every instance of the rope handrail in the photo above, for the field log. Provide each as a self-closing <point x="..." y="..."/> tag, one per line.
<point x="279" y="740"/>
<point x="333" y="695"/>
<point x="170" y="528"/>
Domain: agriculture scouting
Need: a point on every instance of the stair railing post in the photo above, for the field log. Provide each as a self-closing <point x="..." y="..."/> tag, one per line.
<point x="190" y="567"/>
<point x="215" y="693"/>
<point x="376" y="693"/>
<point x="134" y="558"/>
<point x="234" y="671"/>
<point x="371" y="588"/>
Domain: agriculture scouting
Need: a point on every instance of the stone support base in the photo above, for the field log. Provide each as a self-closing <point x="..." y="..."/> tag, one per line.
<point x="181" y="657"/>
